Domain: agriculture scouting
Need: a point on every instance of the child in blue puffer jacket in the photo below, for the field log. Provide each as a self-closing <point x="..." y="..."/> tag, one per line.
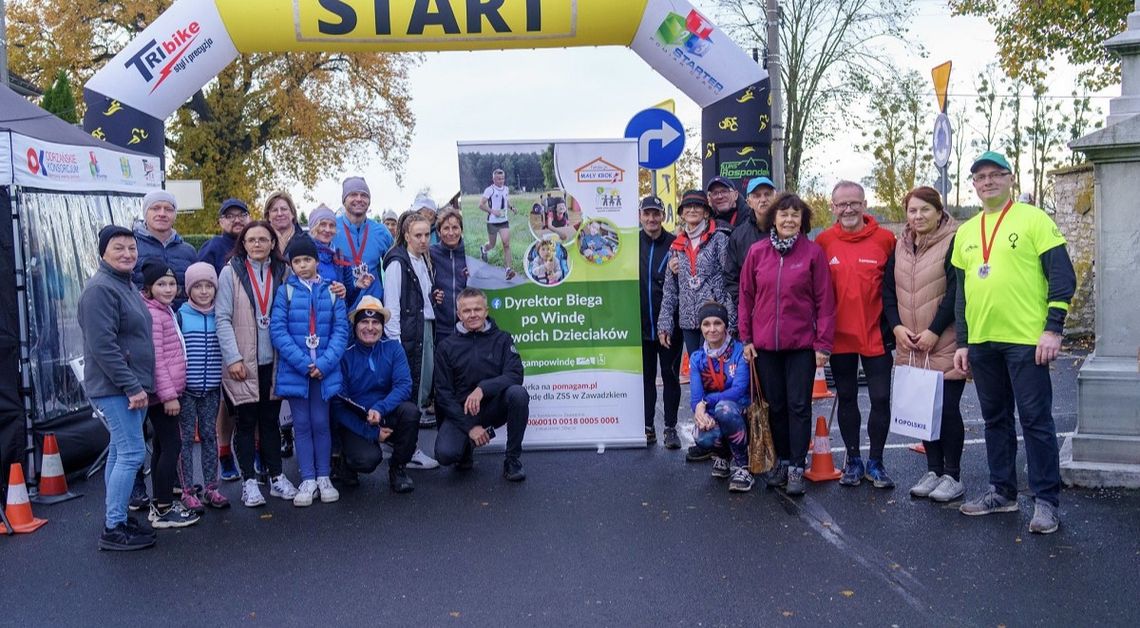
<point x="309" y="329"/>
<point x="719" y="396"/>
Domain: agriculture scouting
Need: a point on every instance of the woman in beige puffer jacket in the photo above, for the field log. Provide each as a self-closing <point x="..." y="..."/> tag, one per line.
<point x="918" y="303"/>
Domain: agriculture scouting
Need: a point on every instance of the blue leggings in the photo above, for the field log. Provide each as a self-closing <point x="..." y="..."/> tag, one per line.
<point x="312" y="437"/>
<point x="730" y="436"/>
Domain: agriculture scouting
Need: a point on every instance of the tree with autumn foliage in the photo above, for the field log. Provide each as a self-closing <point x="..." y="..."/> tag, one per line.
<point x="268" y="121"/>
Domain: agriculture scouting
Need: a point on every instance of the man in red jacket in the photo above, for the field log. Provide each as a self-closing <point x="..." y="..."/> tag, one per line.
<point x="857" y="250"/>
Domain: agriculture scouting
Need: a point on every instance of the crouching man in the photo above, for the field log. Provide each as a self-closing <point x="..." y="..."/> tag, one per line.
<point x="374" y="405"/>
<point x="478" y="385"/>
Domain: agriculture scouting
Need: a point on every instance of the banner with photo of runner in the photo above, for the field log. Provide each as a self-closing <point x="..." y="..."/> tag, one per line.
<point x="551" y="234"/>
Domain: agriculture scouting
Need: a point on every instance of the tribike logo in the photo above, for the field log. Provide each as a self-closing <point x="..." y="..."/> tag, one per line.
<point x="600" y="171"/>
<point x="687" y="39"/>
<point x="157" y="59"/>
<point x="53" y="164"/>
<point x="745" y="169"/>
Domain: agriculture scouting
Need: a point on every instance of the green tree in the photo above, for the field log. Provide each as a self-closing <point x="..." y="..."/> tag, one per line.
<point x="823" y="44"/>
<point x="988" y="108"/>
<point x="1032" y="33"/>
<point x="1043" y="137"/>
<point x="268" y="120"/>
<point x="59" y="100"/>
<point x="1079" y="121"/>
<point x="896" y="135"/>
<point x="546" y="160"/>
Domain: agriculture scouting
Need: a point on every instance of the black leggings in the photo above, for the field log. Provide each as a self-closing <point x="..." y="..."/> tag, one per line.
<point x="166" y="445"/>
<point x="652" y="354"/>
<point x="944" y="456"/>
<point x="845" y="370"/>
<point x="262" y="416"/>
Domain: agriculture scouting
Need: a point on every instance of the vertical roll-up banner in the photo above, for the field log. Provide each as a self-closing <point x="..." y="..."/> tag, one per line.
<point x="567" y="290"/>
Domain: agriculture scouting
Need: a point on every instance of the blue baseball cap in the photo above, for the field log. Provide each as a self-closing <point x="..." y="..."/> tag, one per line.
<point x="757" y="182"/>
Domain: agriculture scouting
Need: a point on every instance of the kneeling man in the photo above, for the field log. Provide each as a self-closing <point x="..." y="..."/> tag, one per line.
<point x="374" y="405"/>
<point x="478" y="385"/>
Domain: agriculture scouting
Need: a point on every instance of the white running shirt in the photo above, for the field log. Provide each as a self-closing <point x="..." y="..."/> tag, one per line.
<point x="497" y="199"/>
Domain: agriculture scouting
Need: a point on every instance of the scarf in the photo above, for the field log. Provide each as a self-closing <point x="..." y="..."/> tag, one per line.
<point x="696" y="232"/>
<point x="782" y="246"/>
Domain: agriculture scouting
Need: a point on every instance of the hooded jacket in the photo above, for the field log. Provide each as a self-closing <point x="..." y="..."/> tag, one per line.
<point x="467" y="360"/>
<point x="786" y="301"/>
<point x="654" y="259"/>
<point x="175" y="253"/>
<point x="169" y="352"/>
<point x="289" y="326"/>
<point x="857" y="262"/>
<point x="450" y="265"/>
<point x="680" y="299"/>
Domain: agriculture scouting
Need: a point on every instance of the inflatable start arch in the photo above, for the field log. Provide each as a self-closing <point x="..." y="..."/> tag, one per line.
<point x="186" y="47"/>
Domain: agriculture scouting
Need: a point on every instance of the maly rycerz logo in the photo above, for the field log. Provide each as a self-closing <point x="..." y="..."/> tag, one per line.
<point x="167" y="51"/>
<point x="35" y="162"/>
<point x="692" y="33"/>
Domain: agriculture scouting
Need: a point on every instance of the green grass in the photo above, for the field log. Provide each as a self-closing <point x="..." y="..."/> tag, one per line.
<point x="475" y="228"/>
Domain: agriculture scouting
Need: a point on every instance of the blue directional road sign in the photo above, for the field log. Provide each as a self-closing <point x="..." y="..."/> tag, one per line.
<point x="660" y="138"/>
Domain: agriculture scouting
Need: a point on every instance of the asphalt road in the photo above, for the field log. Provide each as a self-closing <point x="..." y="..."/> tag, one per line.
<point x="629" y="537"/>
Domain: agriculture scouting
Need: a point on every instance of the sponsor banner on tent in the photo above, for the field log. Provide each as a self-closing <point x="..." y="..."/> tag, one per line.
<point x="40" y="164"/>
<point x="566" y="285"/>
<point x="6" y="165"/>
<point x="178" y="53"/>
<point x="686" y="48"/>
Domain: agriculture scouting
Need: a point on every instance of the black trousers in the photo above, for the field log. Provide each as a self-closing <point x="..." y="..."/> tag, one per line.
<point x="510" y="407"/>
<point x="262" y="417"/>
<point x="786" y="377"/>
<point x="166" y="445"/>
<point x="652" y="354"/>
<point x="359" y="442"/>
<point x="845" y="370"/>
<point x="944" y="456"/>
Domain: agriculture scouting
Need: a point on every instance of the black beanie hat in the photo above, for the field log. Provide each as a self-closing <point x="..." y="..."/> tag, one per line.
<point x="111" y="231"/>
<point x="712" y="308"/>
<point x="302" y="246"/>
<point x="153" y="270"/>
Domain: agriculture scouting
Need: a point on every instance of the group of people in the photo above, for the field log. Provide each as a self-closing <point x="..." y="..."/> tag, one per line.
<point x="744" y="288"/>
<point x="368" y="336"/>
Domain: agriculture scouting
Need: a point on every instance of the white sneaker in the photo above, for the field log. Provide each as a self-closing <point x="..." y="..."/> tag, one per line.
<point x="251" y="495"/>
<point x="925" y="485"/>
<point x="948" y="490"/>
<point x="420" y="460"/>
<point x="303" y="495"/>
<point x="280" y="486"/>
<point x="328" y="492"/>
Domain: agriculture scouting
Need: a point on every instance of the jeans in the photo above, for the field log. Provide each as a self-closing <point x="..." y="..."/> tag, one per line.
<point x="510" y="407"/>
<point x="311" y="434"/>
<point x="261" y="416"/>
<point x="1006" y="374"/>
<point x="166" y="448"/>
<point x="360" y="445"/>
<point x="652" y="353"/>
<point x="944" y="456"/>
<point x="845" y="370"/>
<point x="729" y="439"/>
<point x="125" y="455"/>
<point x="787" y="377"/>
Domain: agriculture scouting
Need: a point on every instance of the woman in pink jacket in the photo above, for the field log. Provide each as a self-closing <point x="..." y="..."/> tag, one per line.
<point x="786" y="317"/>
<point x="159" y="290"/>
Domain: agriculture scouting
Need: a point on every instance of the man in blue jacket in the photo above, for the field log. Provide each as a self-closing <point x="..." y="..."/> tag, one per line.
<point x="157" y="239"/>
<point x="360" y="239"/>
<point x="374" y="405"/>
<point x="233" y="216"/>
<point x="478" y="387"/>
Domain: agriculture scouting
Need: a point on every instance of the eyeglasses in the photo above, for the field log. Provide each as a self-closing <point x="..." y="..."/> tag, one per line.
<point x="849" y="205"/>
<point x="235" y="216"/>
<point x="258" y="240"/>
<point x="993" y="176"/>
<point x="720" y="192"/>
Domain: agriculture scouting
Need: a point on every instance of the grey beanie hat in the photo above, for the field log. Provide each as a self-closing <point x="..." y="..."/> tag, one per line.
<point x="353" y="184"/>
<point x="158" y="196"/>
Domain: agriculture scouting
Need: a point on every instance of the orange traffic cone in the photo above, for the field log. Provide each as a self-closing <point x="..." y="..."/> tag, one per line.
<point x="819" y="388"/>
<point x="822" y="465"/>
<point x="685" y="369"/>
<point x="53" y="483"/>
<point x="19" y="511"/>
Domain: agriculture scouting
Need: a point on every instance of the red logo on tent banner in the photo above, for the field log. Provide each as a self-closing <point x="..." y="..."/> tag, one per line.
<point x="33" y="161"/>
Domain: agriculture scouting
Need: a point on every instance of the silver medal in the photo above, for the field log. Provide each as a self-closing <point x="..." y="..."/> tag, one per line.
<point x="694" y="282"/>
<point x="984" y="271"/>
<point x="263" y="322"/>
<point x="360" y="271"/>
<point x="312" y="341"/>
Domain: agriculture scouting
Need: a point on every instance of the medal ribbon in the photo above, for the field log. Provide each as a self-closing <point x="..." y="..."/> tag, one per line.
<point x="988" y="247"/>
<point x="357" y="254"/>
<point x="312" y="312"/>
<point x="262" y="299"/>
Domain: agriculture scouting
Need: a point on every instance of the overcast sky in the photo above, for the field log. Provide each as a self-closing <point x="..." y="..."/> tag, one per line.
<point x="592" y="92"/>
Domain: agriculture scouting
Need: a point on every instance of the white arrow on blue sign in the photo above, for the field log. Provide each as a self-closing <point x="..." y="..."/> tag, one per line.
<point x="660" y="138"/>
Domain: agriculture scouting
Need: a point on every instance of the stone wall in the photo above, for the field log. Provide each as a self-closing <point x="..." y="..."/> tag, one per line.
<point x="1076" y="217"/>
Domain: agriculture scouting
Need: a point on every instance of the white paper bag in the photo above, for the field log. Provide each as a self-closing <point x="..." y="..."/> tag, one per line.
<point x="916" y="403"/>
